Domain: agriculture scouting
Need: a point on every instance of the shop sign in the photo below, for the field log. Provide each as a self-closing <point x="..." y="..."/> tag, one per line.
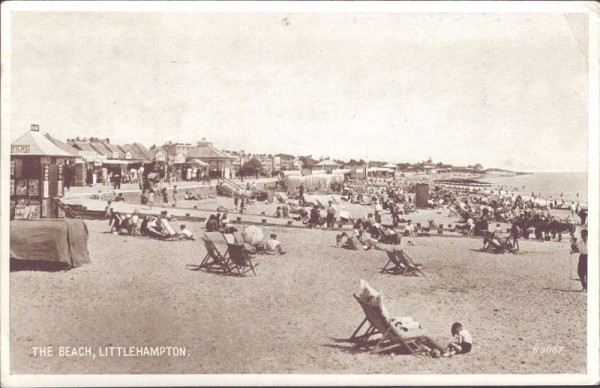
<point x="19" y="149"/>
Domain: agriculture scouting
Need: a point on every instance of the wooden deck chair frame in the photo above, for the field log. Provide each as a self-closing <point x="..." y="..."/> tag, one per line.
<point x="397" y="266"/>
<point x="412" y="268"/>
<point x="240" y="260"/>
<point x="391" y="338"/>
<point x="214" y="259"/>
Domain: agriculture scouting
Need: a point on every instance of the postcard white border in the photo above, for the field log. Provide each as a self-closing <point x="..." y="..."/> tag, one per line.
<point x="593" y="372"/>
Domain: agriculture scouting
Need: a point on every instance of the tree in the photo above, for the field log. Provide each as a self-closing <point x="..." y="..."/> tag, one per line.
<point x="252" y="167"/>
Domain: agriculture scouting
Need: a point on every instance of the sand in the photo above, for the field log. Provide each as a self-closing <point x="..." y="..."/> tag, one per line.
<point x="138" y="292"/>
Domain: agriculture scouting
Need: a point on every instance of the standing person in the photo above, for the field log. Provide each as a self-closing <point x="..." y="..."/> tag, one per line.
<point x="141" y="177"/>
<point x="330" y="215"/>
<point x="151" y="195"/>
<point x="104" y="175"/>
<point x="117" y="178"/>
<point x="236" y="202"/>
<point x="134" y="221"/>
<point x="174" y="195"/>
<point x="572" y="208"/>
<point x="301" y="190"/>
<point x="378" y="210"/>
<point x="581" y="247"/>
<point x="583" y="215"/>
<point x="515" y="231"/>
<point x="89" y="176"/>
<point x="165" y="196"/>
<point x="242" y="205"/>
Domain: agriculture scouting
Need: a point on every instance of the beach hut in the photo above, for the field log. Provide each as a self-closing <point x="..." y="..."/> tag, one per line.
<point x="36" y="176"/>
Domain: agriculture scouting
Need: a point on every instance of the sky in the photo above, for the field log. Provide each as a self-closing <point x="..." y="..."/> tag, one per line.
<point x="504" y="90"/>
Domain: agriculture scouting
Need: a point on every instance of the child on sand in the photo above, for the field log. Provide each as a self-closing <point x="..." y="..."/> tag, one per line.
<point x="185" y="234"/>
<point x="273" y="245"/>
<point x="462" y="342"/>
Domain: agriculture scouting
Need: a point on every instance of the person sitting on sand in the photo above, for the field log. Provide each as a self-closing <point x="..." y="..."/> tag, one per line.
<point x="190" y="197"/>
<point x="125" y="226"/>
<point x="278" y="212"/>
<point x="273" y="246"/>
<point x="212" y="224"/>
<point x="410" y="229"/>
<point x="185" y="234"/>
<point x="314" y="216"/>
<point x="120" y="198"/>
<point x="224" y="221"/>
<point x="462" y="342"/>
<point x="348" y="241"/>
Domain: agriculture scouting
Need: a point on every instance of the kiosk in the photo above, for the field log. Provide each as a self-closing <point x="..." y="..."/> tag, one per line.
<point x="36" y="177"/>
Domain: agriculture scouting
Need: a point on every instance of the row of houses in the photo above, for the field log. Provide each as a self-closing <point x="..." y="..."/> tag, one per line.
<point x="221" y="163"/>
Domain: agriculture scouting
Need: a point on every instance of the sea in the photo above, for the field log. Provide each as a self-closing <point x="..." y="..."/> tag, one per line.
<point x="573" y="186"/>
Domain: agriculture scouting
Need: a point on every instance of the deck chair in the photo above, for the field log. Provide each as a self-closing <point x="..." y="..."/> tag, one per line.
<point x="168" y="228"/>
<point x="214" y="259"/>
<point x="412" y="268"/>
<point x="392" y="338"/>
<point x="240" y="259"/>
<point x="396" y="267"/>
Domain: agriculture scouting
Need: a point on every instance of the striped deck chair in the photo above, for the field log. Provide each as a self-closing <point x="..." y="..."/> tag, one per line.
<point x="214" y="259"/>
<point x="240" y="260"/>
<point x="396" y="267"/>
<point x="391" y="338"/>
<point x="412" y="268"/>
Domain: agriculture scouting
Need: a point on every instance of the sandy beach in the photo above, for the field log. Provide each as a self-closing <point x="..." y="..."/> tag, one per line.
<point x="138" y="292"/>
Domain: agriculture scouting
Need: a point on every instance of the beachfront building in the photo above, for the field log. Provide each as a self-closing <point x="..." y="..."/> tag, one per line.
<point x="86" y="151"/>
<point x="177" y="148"/>
<point x="286" y="162"/>
<point x="37" y="176"/>
<point x="219" y="162"/>
<point x="327" y="165"/>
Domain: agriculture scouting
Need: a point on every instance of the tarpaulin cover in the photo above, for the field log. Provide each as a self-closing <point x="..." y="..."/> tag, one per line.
<point x="58" y="240"/>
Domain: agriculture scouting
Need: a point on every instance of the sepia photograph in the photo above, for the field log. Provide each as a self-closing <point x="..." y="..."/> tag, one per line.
<point x="289" y="193"/>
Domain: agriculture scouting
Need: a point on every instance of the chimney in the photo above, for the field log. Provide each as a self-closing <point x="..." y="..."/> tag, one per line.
<point x="35" y="127"/>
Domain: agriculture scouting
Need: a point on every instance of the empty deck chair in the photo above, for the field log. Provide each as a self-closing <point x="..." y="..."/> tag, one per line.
<point x="393" y="266"/>
<point x="412" y="268"/>
<point x="240" y="260"/>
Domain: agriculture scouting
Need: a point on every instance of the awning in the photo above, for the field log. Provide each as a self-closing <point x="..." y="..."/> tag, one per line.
<point x="197" y="162"/>
<point x="115" y="161"/>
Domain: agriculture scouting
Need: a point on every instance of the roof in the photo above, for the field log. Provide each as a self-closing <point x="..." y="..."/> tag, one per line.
<point x="115" y="148"/>
<point x="36" y="144"/>
<point x="390" y="165"/>
<point x="101" y="149"/>
<point x="141" y="151"/>
<point x="63" y="146"/>
<point x="198" y="162"/>
<point x="207" y="152"/>
<point x="83" y="146"/>
<point x="327" y="162"/>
